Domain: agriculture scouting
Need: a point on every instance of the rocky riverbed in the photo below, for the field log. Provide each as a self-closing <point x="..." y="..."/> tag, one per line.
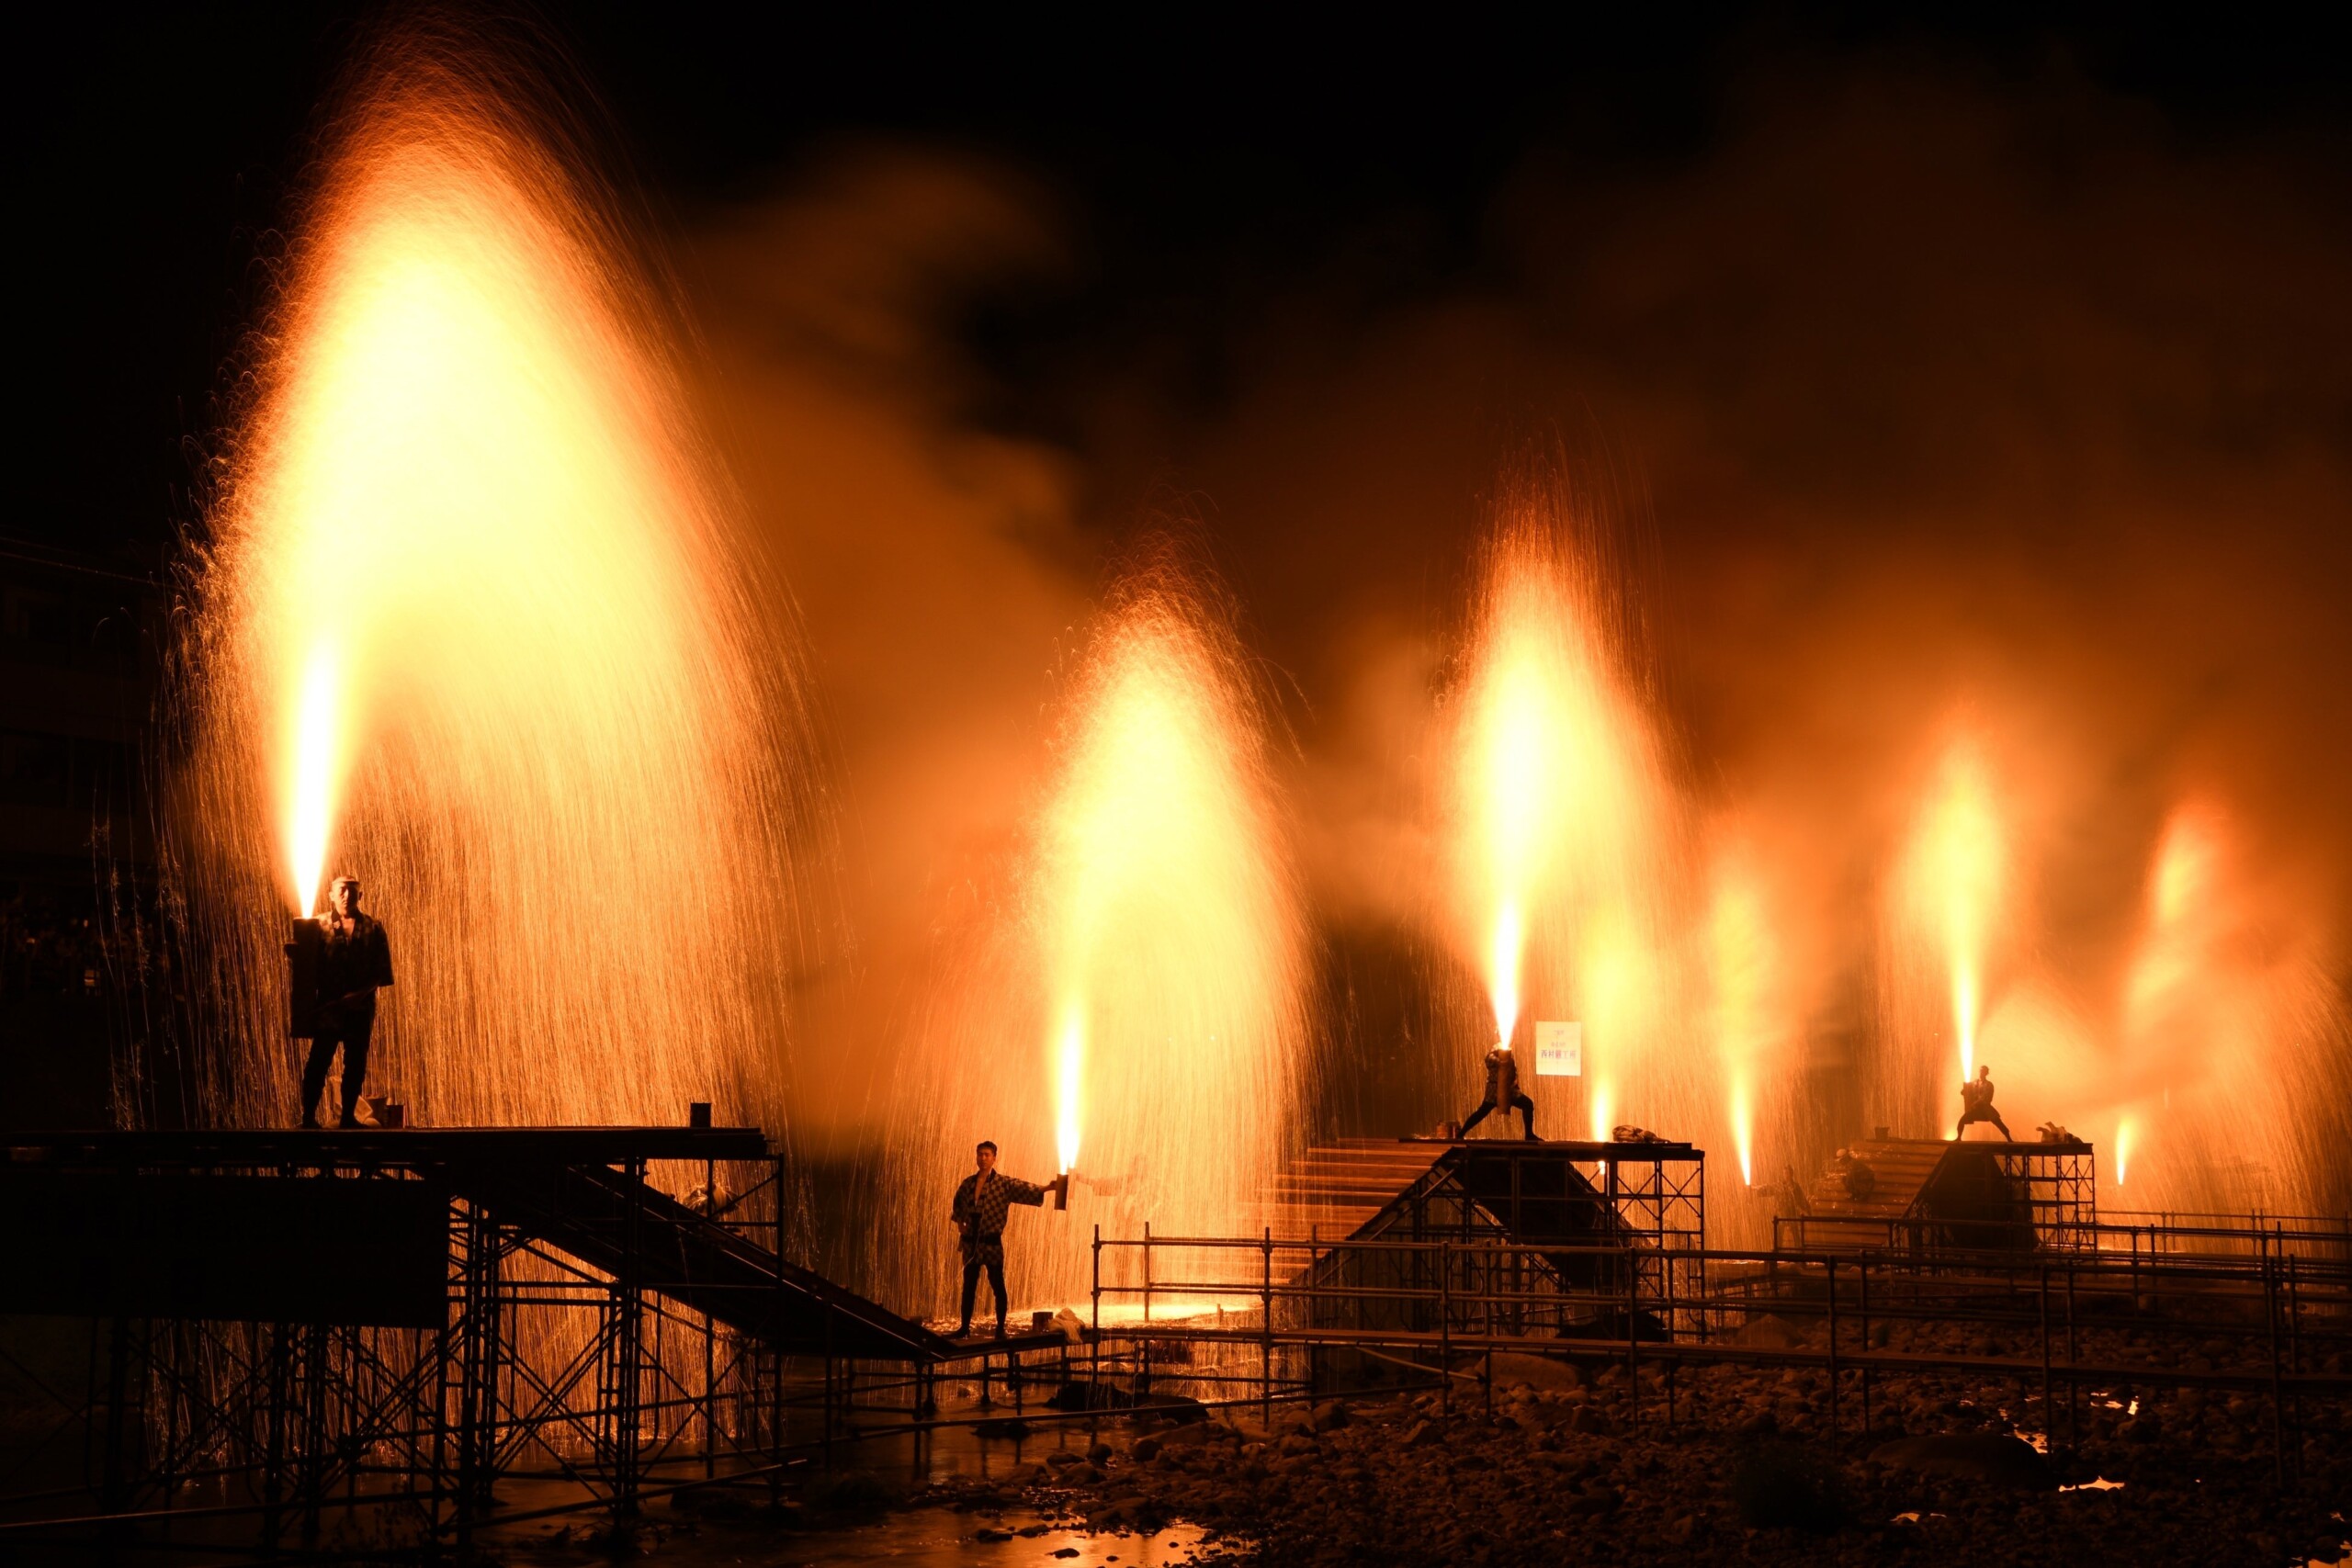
<point x="1565" y="1467"/>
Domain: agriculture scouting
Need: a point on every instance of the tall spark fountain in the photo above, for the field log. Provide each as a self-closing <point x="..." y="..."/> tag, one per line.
<point x="1579" y="890"/>
<point x="1747" y="966"/>
<point x="1949" y="905"/>
<point x="1569" y="864"/>
<point x="1135" y="1012"/>
<point x="2229" y="1033"/>
<point x="468" y="625"/>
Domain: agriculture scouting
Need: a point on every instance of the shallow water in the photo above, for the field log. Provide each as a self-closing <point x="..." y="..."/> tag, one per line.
<point x="918" y="1538"/>
<point x="905" y="1465"/>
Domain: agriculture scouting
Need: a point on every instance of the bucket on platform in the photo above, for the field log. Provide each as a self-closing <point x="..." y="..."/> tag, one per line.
<point x="699" y="1115"/>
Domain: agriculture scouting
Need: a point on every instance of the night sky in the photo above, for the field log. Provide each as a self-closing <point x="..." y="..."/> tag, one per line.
<point x="1202" y="170"/>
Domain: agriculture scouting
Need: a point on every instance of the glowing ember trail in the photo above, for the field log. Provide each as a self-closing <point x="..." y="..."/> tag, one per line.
<point x="310" y="785"/>
<point x="1963" y="865"/>
<point x="1069" y="1069"/>
<point x="1743" y="1134"/>
<point x="2122" y="1149"/>
<point x="1742" y="962"/>
<point x="1516" y="723"/>
<point x="1510" y="950"/>
<point x="1948" y="900"/>
<point x="470" y="630"/>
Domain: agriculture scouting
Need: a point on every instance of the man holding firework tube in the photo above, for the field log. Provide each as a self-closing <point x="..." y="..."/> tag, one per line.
<point x="983" y="1201"/>
<point x="355" y="961"/>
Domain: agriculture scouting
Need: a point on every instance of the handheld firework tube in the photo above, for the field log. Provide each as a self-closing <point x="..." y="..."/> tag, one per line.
<point x="1061" y="1192"/>
<point x="305" y="956"/>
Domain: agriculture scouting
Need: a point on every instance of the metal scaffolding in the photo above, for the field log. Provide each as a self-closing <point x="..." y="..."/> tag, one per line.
<point x="575" y="1324"/>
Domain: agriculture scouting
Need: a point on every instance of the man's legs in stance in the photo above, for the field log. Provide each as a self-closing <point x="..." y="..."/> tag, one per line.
<point x="355" y="1066"/>
<point x="1983" y="1114"/>
<point x="971" y="1285"/>
<point x="1478" y="1116"/>
<point x="314" y="1076"/>
<point x="996" y="1284"/>
<point x="1526" y="1113"/>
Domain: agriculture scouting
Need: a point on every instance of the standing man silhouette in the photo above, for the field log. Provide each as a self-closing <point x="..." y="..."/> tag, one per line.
<point x="983" y="1199"/>
<point x="356" y="961"/>
<point x="1503" y="1092"/>
<point x="1976" y="1104"/>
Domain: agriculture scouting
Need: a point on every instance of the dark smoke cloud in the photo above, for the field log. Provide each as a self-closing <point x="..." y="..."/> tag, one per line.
<point x="936" y="567"/>
<point x="1913" y="394"/>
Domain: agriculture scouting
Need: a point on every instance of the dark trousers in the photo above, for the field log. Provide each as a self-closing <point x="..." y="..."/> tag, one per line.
<point x="995" y="1266"/>
<point x="1982" y="1113"/>
<point x="352" y="1034"/>
<point x="1526" y="1106"/>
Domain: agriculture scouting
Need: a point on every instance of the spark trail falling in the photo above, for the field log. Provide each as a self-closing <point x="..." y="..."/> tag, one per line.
<point x="469" y="628"/>
<point x="1138" y="1013"/>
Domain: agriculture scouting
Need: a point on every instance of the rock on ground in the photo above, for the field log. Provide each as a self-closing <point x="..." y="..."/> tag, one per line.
<point x="1587" y="1469"/>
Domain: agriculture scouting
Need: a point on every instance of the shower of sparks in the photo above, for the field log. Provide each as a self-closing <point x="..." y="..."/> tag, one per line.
<point x="472" y="613"/>
<point x="1556" y="796"/>
<point x="1153" y="969"/>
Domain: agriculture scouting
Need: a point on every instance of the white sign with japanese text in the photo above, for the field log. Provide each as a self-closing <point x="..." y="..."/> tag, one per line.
<point x="1559" y="1049"/>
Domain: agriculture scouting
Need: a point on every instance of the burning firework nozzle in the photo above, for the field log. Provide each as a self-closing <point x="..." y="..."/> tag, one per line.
<point x="305" y="952"/>
<point x="1061" y="1192"/>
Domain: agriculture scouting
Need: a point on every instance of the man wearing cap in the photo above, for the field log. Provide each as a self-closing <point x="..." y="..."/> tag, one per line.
<point x="356" y="962"/>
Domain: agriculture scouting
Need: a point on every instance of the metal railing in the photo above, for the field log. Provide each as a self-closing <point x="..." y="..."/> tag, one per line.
<point x="2074" y="1318"/>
